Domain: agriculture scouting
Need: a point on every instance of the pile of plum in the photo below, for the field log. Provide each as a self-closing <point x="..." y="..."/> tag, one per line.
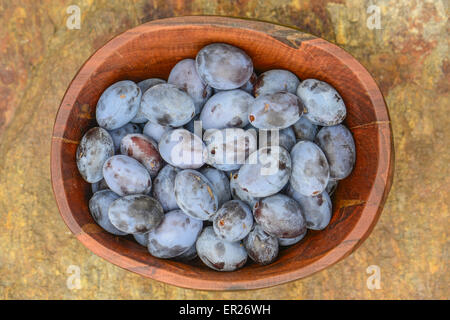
<point x="217" y="162"/>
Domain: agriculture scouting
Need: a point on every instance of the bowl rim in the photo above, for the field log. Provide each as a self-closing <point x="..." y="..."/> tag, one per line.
<point x="371" y="211"/>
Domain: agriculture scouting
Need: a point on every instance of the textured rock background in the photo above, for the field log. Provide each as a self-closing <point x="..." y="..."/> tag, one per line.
<point x="408" y="58"/>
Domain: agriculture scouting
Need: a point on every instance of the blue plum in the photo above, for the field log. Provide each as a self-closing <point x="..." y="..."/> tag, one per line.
<point x="226" y="109"/>
<point x="238" y="193"/>
<point x="305" y="129"/>
<point x="310" y="171"/>
<point x="195" y="194"/>
<point x="277" y="110"/>
<point x="339" y="147"/>
<point x="141" y="238"/>
<point x="99" y="205"/>
<point x="125" y="176"/>
<point x="228" y="148"/>
<point x="174" y="235"/>
<point x="220" y="182"/>
<point x="155" y="130"/>
<point x="144" y="86"/>
<point x="266" y="173"/>
<point x="183" y="149"/>
<point x="136" y="213"/>
<point x="233" y="221"/>
<point x="195" y="126"/>
<point x="118" y="134"/>
<point x="331" y="186"/>
<point x="261" y="247"/>
<point x="276" y="80"/>
<point x="189" y="255"/>
<point x="280" y="216"/>
<point x="316" y="209"/>
<point x="249" y="85"/>
<point x="285" y="242"/>
<point x="98" y="186"/>
<point x="223" y="66"/>
<point x="219" y="254"/>
<point x="274" y="137"/>
<point x="184" y="75"/>
<point x="167" y="105"/>
<point x="163" y="187"/>
<point x="144" y="150"/>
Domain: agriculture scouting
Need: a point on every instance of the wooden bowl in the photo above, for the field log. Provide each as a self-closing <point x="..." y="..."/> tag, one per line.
<point x="151" y="50"/>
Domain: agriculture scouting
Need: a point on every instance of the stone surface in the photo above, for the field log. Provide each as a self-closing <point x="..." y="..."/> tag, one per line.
<point x="408" y="57"/>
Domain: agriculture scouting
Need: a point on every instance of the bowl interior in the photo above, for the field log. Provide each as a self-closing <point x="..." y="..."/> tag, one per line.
<point x="151" y="50"/>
